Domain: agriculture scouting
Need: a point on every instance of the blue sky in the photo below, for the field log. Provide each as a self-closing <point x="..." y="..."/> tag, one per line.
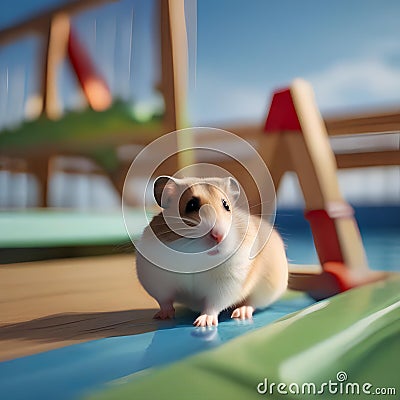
<point x="349" y="50"/>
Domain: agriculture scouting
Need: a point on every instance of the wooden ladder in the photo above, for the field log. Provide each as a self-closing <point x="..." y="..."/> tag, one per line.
<point x="296" y="140"/>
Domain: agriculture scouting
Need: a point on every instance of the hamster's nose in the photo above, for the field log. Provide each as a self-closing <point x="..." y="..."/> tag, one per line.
<point x="217" y="236"/>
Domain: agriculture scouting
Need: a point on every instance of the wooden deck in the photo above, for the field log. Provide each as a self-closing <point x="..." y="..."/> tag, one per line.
<point x="50" y="304"/>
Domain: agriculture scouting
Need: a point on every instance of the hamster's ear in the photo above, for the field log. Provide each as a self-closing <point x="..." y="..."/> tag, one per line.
<point x="164" y="188"/>
<point x="233" y="188"/>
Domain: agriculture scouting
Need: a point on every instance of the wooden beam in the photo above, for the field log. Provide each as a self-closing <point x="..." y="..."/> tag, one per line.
<point x="55" y="51"/>
<point x="40" y="167"/>
<point x="174" y="66"/>
<point x="378" y="122"/>
<point x="311" y="152"/>
<point x="374" y="122"/>
<point x="315" y="165"/>
<point x="179" y="50"/>
<point x="38" y="24"/>
<point x="166" y="85"/>
<point x="368" y="159"/>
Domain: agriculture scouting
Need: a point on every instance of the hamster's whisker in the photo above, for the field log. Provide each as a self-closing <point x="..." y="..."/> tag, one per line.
<point x="184" y="230"/>
<point x="177" y="217"/>
<point x="183" y="219"/>
<point x="177" y="231"/>
<point x="176" y="226"/>
<point x="265" y="202"/>
<point x="171" y="223"/>
<point x="259" y="204"/>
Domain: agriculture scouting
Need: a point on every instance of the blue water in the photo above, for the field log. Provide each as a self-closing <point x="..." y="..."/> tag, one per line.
<point x="380" y="233"/>
<point x="382" y="248"/>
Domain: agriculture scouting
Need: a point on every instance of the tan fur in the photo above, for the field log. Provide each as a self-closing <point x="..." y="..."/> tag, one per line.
<point x="239" y="280"/>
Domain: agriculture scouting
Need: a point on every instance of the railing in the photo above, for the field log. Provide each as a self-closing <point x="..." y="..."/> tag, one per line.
<point x="384" y="124"/>
<point x="365" y="140"/>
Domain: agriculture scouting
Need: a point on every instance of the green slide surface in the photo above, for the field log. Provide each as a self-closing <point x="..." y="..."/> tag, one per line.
<point x="352" y="338"/>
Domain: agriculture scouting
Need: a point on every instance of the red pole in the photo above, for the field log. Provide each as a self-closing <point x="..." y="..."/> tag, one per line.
<point x="92" y="83"/>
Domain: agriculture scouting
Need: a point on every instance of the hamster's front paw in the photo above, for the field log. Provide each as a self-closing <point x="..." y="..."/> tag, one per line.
<point x="206" y="320"/>
<point x="166" y="312"/>
<point x="243" y="312"/>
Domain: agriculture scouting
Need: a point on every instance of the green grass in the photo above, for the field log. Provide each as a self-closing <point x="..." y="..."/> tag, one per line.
<point x="85" y="130"/>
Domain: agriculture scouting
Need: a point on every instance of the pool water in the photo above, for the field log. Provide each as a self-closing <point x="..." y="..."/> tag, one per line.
<point x="382" y="247"/>
<point x="379" y="228"/>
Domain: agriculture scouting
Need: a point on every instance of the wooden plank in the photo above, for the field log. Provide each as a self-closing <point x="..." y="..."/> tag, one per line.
<point x="40" y="167"/>
<point x="39" y="23"/>
<point x="50" y="304"/>
<point x="376" y="122"/>
<point x="272" y="148"/>
<point x="315" y="165"/>
<point x="368" y="159"/>
<point x="179" y="54"/>
<point x="314" y="145"/>
<point x="253" y="133"/>
<point x="56" y="47"/>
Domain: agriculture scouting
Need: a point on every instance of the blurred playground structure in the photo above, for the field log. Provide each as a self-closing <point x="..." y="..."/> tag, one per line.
<point x="62" y="142"/>
<point x="40" y="122"/>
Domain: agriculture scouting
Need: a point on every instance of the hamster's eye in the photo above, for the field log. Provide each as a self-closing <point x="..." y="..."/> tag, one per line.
<point x="193" y="205"/>
<point x="226" y="205"/>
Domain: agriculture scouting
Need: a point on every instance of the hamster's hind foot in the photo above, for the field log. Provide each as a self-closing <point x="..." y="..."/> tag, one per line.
<point x="167" y="311"/>
<point x="243" y="312"/>
<point x="206" y="320"/>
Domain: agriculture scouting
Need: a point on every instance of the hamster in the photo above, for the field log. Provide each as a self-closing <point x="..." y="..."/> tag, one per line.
<point x="222" y="235"/>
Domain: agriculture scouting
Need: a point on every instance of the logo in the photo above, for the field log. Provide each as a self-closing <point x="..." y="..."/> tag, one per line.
<point x="338" y="386"/>
<point x="222" y="161"/>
